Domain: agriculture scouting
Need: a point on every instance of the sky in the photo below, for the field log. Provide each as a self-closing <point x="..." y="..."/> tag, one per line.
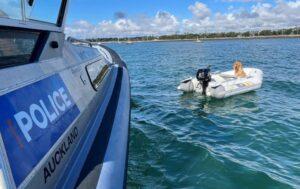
<point x="128" y="18"/>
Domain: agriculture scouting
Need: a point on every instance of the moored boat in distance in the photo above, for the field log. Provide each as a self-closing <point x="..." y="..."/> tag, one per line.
<point x="64" y="104"/>
<point x="198" y="40"/>
<point x="129" y="42"/>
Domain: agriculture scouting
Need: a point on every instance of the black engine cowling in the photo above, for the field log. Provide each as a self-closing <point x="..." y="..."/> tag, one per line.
<point x="204" y="77"/>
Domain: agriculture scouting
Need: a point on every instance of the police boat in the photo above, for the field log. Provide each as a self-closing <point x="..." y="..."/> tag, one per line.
<point x="222" y="84"/>
<point x="64" y="104"/>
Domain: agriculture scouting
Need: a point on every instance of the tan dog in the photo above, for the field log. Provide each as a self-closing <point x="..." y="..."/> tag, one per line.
<point x="238" y="69"/>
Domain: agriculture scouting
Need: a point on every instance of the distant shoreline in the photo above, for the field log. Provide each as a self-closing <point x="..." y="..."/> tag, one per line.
<point x="206" y="39"/>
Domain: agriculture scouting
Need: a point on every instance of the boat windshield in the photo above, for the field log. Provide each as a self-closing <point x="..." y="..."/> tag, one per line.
<point x="40" y="10"/>
<point x="11" y="9"/>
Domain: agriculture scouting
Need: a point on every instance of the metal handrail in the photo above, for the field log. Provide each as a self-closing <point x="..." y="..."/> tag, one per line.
<point x="73" y="40"/>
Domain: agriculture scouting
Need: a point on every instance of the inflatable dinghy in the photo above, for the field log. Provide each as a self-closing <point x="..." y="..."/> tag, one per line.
<point x="222" y="84"/>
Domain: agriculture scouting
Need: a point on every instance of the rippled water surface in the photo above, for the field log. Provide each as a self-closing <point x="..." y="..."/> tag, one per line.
<point x="187" y="141"/>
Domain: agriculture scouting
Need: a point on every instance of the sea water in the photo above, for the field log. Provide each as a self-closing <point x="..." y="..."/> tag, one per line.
<point x="187" y="141"/>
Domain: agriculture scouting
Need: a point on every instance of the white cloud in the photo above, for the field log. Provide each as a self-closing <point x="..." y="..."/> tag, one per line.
<point x="259" y="16"/>
<point x="80" y="29"/>
<point x="122" y="27"/>
<point x="162" y="23"/>
<point x="294" y="4"/>
<point x="165" y="21"/>
<point x="200" y="10"/>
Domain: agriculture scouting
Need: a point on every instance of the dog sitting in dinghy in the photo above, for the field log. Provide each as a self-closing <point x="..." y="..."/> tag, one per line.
<point x="238" y="70"/>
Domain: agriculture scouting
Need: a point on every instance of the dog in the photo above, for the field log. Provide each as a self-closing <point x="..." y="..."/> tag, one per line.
<point x="238" y="70"/>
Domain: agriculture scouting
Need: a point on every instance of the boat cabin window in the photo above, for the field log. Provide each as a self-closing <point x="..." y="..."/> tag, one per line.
<point x="43" y="10"/>
<point x="96" y="72"/>
<point x="16" y="47"/>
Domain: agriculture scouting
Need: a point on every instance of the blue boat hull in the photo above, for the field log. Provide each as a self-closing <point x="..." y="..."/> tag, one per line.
<point x="67" y="133"/>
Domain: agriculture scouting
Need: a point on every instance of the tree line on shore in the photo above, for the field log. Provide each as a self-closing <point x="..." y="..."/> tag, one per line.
<point x="193" y="36"/>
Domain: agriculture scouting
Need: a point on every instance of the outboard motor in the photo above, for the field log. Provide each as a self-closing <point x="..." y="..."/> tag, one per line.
<point x="204" y="77"/>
